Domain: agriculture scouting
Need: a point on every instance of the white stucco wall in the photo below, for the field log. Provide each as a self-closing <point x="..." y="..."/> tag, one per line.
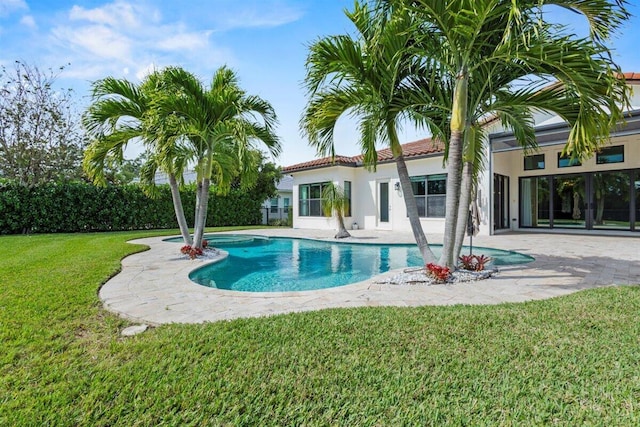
<point x="337" y="174"/>
<point x="365" y="196"/>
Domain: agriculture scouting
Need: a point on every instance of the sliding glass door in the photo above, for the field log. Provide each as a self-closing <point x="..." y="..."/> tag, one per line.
<point x="593" y="200"/>
<point x="636" y="197"/>
<point x="534" y="202"/>
<point x="569" y="207"/>
<point x="500" y="202"/>
<point x="611" y="197"/>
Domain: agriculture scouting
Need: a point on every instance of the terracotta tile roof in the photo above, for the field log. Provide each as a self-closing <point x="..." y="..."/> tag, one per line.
<point x="631" y="76"/>
<point x="319" y="163"/>
<point x="418" y="148"/>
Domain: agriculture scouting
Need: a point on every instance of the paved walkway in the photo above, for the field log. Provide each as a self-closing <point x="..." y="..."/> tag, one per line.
<point x="153" y="286"/>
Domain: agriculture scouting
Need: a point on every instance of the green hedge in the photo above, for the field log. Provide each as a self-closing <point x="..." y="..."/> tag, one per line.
<point x="74" y="207"/>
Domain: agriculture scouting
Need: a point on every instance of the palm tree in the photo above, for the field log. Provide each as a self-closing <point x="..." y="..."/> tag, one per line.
<point x="368" y="78"/>
<point x="121" y="112"/>
<point x="498" y="55"/>
<point x="221" y="124"/>
<point x="335" y="201"/>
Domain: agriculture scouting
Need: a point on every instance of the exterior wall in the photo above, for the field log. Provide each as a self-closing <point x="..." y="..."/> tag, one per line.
<point x="365" y="197"/>
<point x="337" y="174"/>
<point x="511" y="164"/>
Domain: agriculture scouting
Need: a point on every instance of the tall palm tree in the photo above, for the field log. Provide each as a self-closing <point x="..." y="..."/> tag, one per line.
<point x="222" y="125"/>
<point x="121" y="112"/>
<point x="498" y="54"/>
<point x="335" y="201"/>
<point x="368" y="78"/>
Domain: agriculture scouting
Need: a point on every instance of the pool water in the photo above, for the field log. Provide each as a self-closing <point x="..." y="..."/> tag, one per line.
<point x="284" y="264"/>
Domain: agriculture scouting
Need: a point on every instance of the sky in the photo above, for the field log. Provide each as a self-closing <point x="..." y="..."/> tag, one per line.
<point x="264" y="41"/>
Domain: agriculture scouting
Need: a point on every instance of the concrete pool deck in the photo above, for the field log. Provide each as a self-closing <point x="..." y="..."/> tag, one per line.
<point x="154" y="288"/>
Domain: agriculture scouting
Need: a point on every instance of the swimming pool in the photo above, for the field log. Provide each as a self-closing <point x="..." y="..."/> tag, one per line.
<point x="261" y="264"/>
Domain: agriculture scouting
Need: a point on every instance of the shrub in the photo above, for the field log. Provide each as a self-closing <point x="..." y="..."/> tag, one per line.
<point x="474" y="262"/>
<point x="439" y="273"/>
<point x="77" y="207"/>
<point x="191" y="251"/>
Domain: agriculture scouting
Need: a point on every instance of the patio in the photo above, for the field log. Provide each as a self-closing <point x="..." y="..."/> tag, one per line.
<point x="153" y="286"/>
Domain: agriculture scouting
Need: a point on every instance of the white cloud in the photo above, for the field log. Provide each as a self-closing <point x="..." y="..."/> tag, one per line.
<point x="96" y="40"/>
<point x="29" y="21"/>
<point x="118" y="14"/>
<point x="9" y="6"/>
<point x="188" y="41"/>
<point x="260" y="15"/>
<point x="122" y="38"/>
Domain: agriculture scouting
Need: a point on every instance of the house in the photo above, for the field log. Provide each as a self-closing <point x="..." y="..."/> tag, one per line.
<point x="277" y="208"/>
<point x="518" y="190"/>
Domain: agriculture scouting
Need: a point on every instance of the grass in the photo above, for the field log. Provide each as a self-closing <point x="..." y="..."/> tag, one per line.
<point x="566" y="361"/>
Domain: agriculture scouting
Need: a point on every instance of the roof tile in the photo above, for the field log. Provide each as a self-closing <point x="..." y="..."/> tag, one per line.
<point x="418" y="148"/>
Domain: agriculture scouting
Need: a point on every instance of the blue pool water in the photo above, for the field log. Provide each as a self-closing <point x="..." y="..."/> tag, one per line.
<point x="281" y="264"/>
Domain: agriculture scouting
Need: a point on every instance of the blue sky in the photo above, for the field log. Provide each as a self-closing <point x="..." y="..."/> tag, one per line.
<point x="264" y="41"/>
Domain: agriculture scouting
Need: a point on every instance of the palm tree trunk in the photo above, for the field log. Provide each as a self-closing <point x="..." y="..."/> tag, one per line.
<point x="201" y="209"/>
<point x="463" y="208"/>
<point x="342" y="230"/>
<point x="412" y="211"/>
<point x="454" y="163"/>
<point x="197" y="206"/>
<point x="177" y="206"/>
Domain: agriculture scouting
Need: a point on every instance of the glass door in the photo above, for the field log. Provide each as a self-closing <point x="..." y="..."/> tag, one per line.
<point x="500" y="202"/>
<point x="384" y="202"/>
<point x="534" y="202"/>
<point x="636" y="196"/>
<point x="611" y="198"/>
<point x="593" y="201"/>
<point x="569" y="201"/>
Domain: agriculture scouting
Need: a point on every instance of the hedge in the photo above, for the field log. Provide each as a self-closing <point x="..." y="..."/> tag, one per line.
<point x="75" y="207"/>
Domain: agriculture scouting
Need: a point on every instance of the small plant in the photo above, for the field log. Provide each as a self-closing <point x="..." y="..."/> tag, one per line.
<point x="191" y="251"/>
<point x="205" y="243"/>
<point x="481" y="262"/>
<point x="474" y="262"/>
<point x="468" y="262"/>
<point x="438" y="273"/>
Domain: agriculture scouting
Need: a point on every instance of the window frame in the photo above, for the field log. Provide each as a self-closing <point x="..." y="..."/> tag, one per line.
<point x="313" y="204"/>
<point x="422" y="182"/>
<point x="347" y="193"/>
<point x="567" y="161"/>
<point x="609" y="148"/>
<point x="273" y="208"/>
<point x="535" y="164"/>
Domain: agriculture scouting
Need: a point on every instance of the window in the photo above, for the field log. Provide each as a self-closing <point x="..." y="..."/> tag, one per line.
<point x="567" y="162"/>
<point x="430" y="194"/>
<point x="610" y="155"/>
<point x="310" y="199"/>
<point x="285" y="204"/>
<point x="534" y="162"/>
<point x="274" y="205"/>
<point x="347" y="193"/>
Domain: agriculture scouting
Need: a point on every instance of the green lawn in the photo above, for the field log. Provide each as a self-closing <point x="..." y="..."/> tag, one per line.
<point x="567" y="361"/>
